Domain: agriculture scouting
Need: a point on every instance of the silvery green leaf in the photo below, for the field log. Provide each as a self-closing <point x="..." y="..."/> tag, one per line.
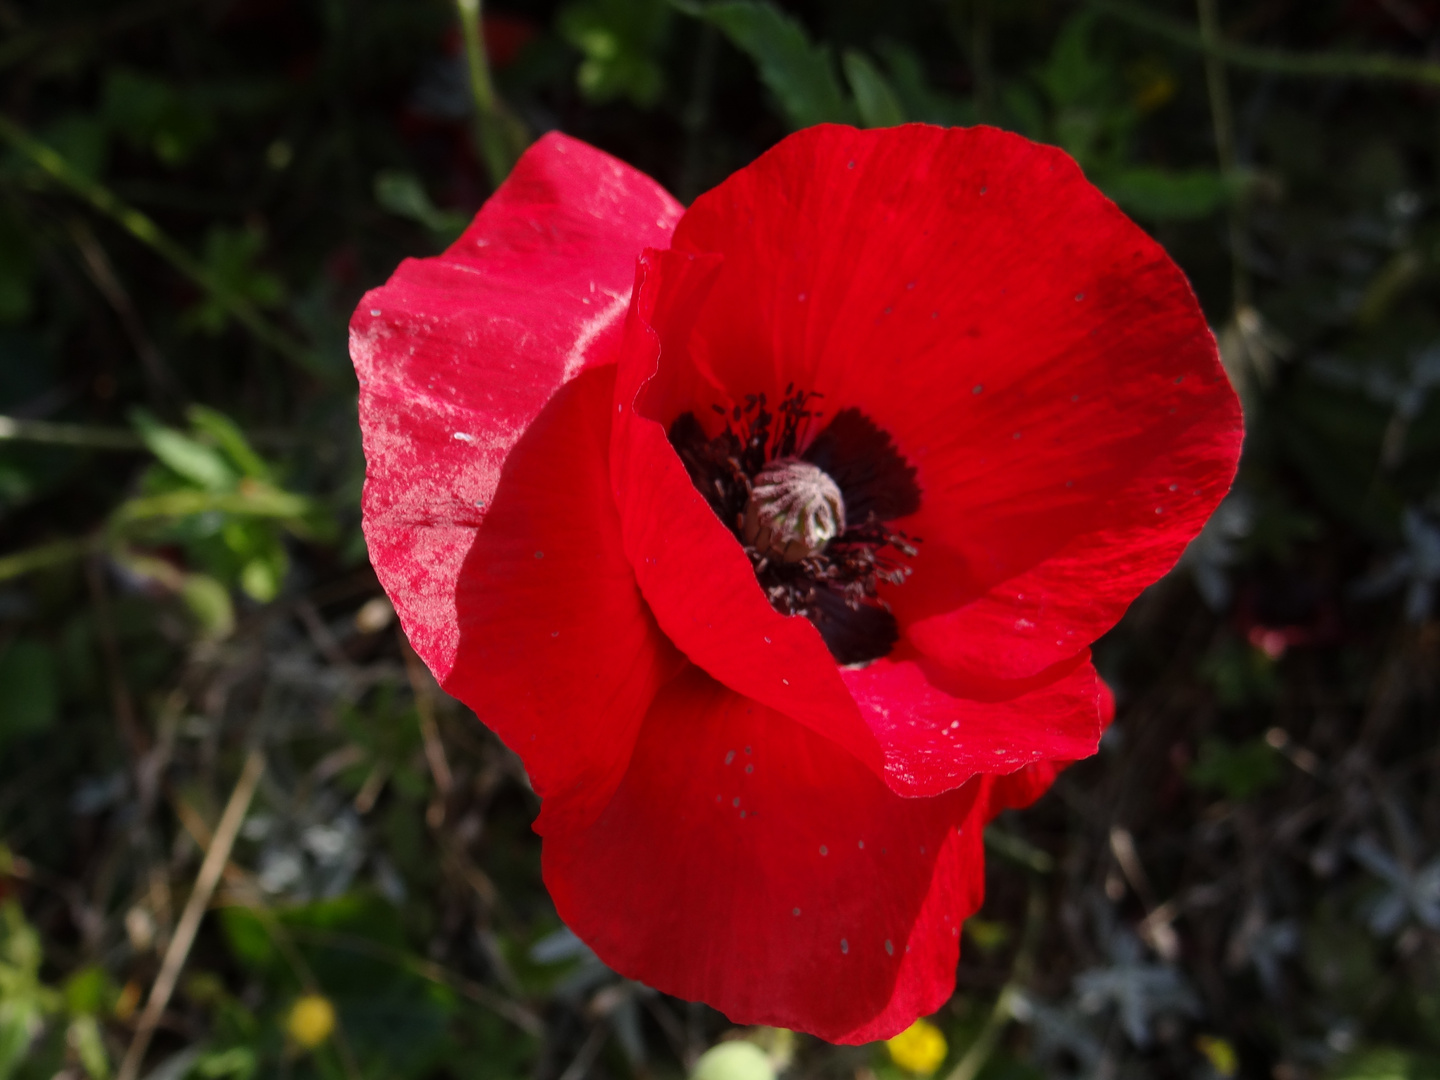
<point x="1138" y="991"/>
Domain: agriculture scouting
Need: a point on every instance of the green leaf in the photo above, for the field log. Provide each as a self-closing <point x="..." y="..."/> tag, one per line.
<point x="260" y="579"/>
<point x="1385" y="1063"/>
<point x="875" y="98"/>
<point x="202" y="465"/>
<point x="209" y="602"/>
<point x="249" y="941"/>
<point x="84" y="1037"/>
<point x="621" y="41"/>
<point x="1165" y="195"/>
<point x="919" y="100"/>
<point x="1236" y="771"/>
<point x="231" y="440"/>
<point x="1073" y="74"/>
<point x="403" y="195"/>
<point x="24" y="1000"/>
<point x="229" y="257"/>
<point x="1087" y="109"/>
<point x="800" y="73"/>
<point x="233" y="1063"/>
<point x="154" y="115"/>
<point x="355" y="945"/>
<point x="90" y="991"/>
<point x="256" y="550"/>
<point x="30" y="698"/>
<point x="19" y="1021"/>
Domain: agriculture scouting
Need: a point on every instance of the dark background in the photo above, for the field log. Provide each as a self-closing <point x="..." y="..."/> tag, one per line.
<point x="193" y="195"/>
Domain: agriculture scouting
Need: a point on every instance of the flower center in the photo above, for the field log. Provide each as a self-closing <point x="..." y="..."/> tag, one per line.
<point x="793" y="512"/>
<point x="813" y="518"/>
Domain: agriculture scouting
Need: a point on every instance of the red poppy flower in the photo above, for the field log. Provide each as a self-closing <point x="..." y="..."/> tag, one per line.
<point x="772" y="534"/>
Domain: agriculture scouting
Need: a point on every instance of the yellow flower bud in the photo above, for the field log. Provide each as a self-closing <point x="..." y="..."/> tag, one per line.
<point x="919" y="1049"/>
<point x="1221" y="1054"/>
<point x="311" y="1020"/>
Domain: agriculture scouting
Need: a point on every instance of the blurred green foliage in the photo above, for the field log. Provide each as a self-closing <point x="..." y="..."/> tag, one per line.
<point x="620" y="41"/>
<point x="193" y="198"/>
<point x="1237" y="772"/>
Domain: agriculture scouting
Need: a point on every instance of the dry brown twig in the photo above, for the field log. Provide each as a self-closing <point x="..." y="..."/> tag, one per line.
<point x="211" y="868"/>
<point x="423" y="688"/>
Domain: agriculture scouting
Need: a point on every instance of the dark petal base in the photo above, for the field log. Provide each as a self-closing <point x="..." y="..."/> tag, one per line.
<point x="837" y="588"/>
<point x="854" y="635"/>
<point x="876" y="481"/>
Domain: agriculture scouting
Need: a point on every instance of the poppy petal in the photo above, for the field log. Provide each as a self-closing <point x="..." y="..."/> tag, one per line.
<point x="935" y="738"/>
<point x="1041" y="616"/>
<point x="690" y="566"/>
<point x="558" y="653"/>
<point x="1033" y="354"/>
<point x="927" y="976"/>
<point x="1017" y="790"/>
<point x="749" y="863"/>
<point x="456" y="355"/>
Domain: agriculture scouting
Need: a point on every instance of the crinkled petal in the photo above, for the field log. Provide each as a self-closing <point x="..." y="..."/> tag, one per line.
<point x="456" y="355"/>
<point x="1038" y="359"/>
<point x="558" y="653"/>
<point x="935" y="737"/>
<point x="1017" y="790"/>
<point x="693" y="572"/>
<point x="749" y="863"/>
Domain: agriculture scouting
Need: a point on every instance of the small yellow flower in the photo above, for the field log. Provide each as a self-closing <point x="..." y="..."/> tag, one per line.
<point x="919" y="1049"/>
<point x="311" y="1020"/>
<point x="1220" y="1054"/>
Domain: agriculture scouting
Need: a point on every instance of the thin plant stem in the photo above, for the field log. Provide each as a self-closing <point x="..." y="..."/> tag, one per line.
<point x="77" y="435"/>
<point x="253" y="901"/>
<point x="102" y="273"/>
<point x="482" y="88"/>
<point x="144" y="229"/>
<point x="255" y="502"/>
<point x="1335" y="65"/>
<point x="216" y="857"/>
<point x="974" y="1059"/>
<point x="88" y="437"/>
<point x="588" y="1052"/>
<point x="44" y="556"/>
<point x="1222" y="117"/>
<point x="499" y="135"/>
<point x="429" y="732"/>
